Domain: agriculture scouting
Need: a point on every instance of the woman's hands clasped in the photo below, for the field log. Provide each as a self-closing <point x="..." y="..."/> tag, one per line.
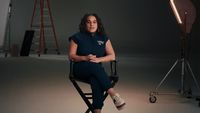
<point x="93" y="58"/>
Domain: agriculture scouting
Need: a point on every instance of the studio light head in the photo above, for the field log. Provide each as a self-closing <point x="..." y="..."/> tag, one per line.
<point x="176" y="13"/>
<point x="185" y="13"/>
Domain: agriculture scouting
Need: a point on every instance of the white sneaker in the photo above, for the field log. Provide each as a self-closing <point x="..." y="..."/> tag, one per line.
<point x="118" y="101"/>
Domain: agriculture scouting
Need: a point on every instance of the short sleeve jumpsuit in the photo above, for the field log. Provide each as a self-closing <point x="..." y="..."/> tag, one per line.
<point x="91" y="72"/>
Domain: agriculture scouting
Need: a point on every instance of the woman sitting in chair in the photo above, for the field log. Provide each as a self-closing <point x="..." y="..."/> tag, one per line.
<point x="88" y="48"/>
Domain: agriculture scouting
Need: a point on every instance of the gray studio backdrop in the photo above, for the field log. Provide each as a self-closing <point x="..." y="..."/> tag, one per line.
<point x="134" y="26"/>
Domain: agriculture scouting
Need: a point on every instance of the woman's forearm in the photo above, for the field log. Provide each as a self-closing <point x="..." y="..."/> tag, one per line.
<point x="107" y="58"/>
<point x="78" y="58"/>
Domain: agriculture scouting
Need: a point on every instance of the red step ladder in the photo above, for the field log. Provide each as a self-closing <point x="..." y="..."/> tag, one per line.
<point x="42" y="23"/>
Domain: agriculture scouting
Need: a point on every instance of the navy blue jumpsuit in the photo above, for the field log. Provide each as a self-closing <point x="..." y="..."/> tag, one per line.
<point x="91" y="72"/>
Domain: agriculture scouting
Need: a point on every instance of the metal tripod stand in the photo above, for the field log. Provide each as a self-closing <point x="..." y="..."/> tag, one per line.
<point x="7" y="42"/>
<point x="185" y="66"/>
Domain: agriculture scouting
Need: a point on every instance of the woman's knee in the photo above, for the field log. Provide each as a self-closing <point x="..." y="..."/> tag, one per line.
<point x="98" y="105"/>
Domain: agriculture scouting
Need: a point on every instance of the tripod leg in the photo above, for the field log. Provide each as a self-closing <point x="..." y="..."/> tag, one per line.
<point x="182" y="75"/>
<point x="194" y="78"/>
<point x="167" y="74"/>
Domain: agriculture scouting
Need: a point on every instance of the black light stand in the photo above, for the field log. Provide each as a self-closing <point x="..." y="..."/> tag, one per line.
<point x="185" y="66"/>
<point x="7" y="43"/>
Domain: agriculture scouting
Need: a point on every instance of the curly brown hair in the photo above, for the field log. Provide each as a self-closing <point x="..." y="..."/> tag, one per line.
<point x="82" y="25"/>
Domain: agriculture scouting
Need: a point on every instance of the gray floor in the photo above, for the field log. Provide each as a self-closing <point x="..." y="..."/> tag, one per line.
<point x="40" y="85"/>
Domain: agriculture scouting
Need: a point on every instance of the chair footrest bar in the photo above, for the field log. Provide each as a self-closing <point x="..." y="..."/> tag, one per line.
<point x="89" y="97"/>
<point x="87" y="93"/>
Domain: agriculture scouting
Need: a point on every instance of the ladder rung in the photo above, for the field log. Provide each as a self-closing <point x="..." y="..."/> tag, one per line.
<point x="47" y="25"/>
<point x="37" y="29"/>
<point x="45" y="9"/>
<point x="46" y="15"/>
<point x="35" y="43"/>
<point x="48" y="36"/>
<point x="37" y="26"/>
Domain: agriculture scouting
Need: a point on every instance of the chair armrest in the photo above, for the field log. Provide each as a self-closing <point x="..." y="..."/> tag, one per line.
<point x="113" y="72"/>
<point x="71" y="69"/>
<point x="113" y="68"/>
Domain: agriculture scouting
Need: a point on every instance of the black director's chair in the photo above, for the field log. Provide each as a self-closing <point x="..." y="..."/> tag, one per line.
<point x="88" y="96"/>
